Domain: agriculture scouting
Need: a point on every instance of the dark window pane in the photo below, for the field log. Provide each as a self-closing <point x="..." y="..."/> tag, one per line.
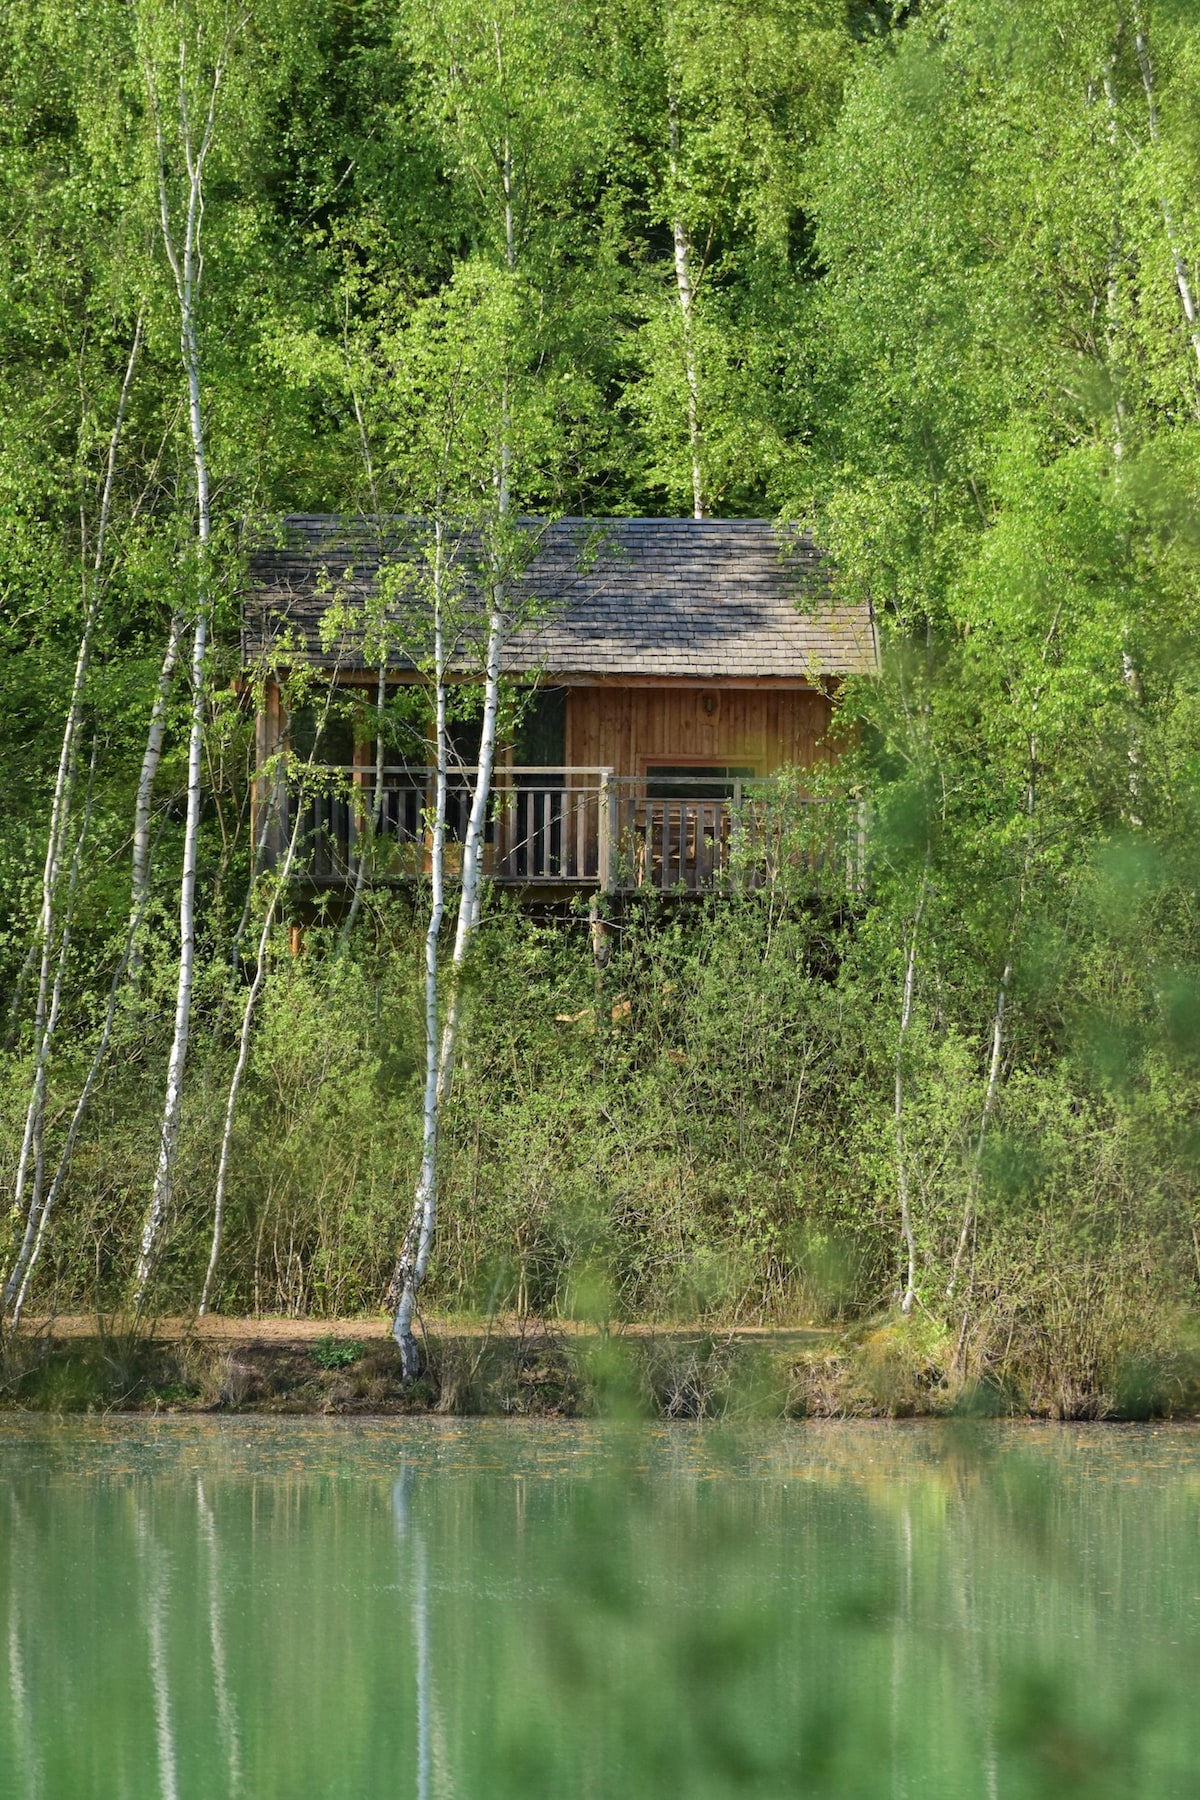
<point x="464" y="736"/>
<point x="541" y="741"/>
<point x="337" y="736"/>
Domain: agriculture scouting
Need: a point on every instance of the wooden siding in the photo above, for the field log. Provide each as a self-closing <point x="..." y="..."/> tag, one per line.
<point x="624" y="728"/>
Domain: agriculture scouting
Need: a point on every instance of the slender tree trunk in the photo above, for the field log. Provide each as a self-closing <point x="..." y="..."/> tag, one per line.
<point x="373" y="821"/>
<point x="35" y="1160"/>
<point x="1129" y="670"/>
<point x="269" y="814"/>
<point x="418" y="1241"/>
<point x="45" y="1020"/>
<point x="376" y="814"/>
<point x="906" y="1012"/>
<point x="991" y="1091"/>
<point x="187" y="266"/>
<point x="151" y="757"/>
<point x="1182" y="275"/>
<point x="990" y="1096"/>
<point x="252" y="998"/>
<point x="30" y="1252"/>
<point x="162" y="1192"/>
<point x="413" y="1261"/>
<point x="685" y="291"/>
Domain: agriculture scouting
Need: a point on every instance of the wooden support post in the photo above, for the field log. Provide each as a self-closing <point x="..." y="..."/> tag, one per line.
<point x="607" y="833"/>
<point x="270" y="790"/>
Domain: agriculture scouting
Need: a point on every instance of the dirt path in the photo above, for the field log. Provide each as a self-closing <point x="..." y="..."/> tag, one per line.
<point x="508" y="1367"/>
<point x="233" y="1332"/>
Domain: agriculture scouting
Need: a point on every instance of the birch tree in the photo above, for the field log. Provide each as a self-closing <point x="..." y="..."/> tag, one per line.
<point x="278" y="775"/>
<point x="50" y="942"/>
<point x="1179" y="259"/>
<point x="731" y="97"/>
<point x="515" y="139"/>
<point x="197" y="51"/>
<point x="465" y="584"/>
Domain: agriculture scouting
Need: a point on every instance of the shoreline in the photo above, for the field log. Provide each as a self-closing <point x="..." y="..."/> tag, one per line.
<point x="536" y="1369"/>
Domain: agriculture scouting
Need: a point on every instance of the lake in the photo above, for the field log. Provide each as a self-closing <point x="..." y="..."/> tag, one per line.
<point x="476" y="1610"/>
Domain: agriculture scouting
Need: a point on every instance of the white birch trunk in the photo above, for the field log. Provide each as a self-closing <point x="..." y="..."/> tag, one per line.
<point x="36" y="1159"/>
<point x="1129" y="670"/>
<point x="376" y="816"/>
<point x="440" y="1050"/>
<point x="187" y="268"/>
<point x="991" y="1093"/>
<point x="418" y="1242"/>
<point x="1182" y="275"/>
<point x="151" y="757"/>
<point x="413" y="1262"/>
<point x="685" y="291"/>
<point x="30" y="1252"/>
<point x="252" y="998"/>
<point x="45" y="1021"/>
<point x="27" y="1262"/>
<point x="996" y="1054"/>
<point x="909" y="1296"/>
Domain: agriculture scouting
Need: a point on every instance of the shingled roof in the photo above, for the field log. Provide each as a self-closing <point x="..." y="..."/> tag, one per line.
<point x="685" y="598"/>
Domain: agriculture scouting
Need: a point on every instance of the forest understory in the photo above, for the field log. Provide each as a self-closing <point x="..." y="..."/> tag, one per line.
<point x="678" y="1176"/>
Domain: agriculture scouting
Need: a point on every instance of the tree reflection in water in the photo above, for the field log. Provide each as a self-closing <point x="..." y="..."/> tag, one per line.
<point x="475" y="1611"/>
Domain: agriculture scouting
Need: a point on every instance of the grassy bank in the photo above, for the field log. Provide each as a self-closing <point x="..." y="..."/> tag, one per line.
<point x="532" y="1370"/>
<point x="708" y="1143"/>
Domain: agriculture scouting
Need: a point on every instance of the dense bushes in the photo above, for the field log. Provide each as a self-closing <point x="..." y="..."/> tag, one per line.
<point x="711" y="1138"/>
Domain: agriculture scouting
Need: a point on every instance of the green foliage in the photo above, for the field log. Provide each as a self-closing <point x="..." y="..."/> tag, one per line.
<point x="337" y="1353"/>
<point x="937" y="257"/>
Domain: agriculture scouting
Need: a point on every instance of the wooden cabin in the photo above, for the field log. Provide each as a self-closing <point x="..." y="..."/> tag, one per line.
<point x="670" y="667"/>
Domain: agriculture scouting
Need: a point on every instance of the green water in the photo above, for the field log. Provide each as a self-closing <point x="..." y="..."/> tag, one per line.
<point x="484" y="1610"/>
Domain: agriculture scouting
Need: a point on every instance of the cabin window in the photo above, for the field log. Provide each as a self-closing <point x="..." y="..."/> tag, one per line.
<point x="350" y="721"/>
<point x="336" y="746"/>
<point x="667" y="781"/>
<point x="462" y="743"/>
<point x="541" y="735"/>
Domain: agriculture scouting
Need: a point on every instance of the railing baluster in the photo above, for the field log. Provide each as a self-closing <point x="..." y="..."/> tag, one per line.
<point x="574" y="824"/>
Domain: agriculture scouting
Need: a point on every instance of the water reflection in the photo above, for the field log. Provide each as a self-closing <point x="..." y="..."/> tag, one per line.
<point x="26" y="1763"/>
<point x="155" y="1601"/>
<point x="479" y="1612"/>
<point x="226" y="1710"/>
<point x="418" y="1571"/>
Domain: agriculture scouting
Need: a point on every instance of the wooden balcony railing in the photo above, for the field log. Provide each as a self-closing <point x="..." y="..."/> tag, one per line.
<point x="583" y="827"/>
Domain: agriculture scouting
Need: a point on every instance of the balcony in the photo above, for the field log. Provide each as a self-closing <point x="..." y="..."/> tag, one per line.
<point x="573" y="828"/>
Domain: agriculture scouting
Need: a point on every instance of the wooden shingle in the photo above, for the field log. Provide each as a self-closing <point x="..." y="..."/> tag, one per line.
<point x="683" y="599"/>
